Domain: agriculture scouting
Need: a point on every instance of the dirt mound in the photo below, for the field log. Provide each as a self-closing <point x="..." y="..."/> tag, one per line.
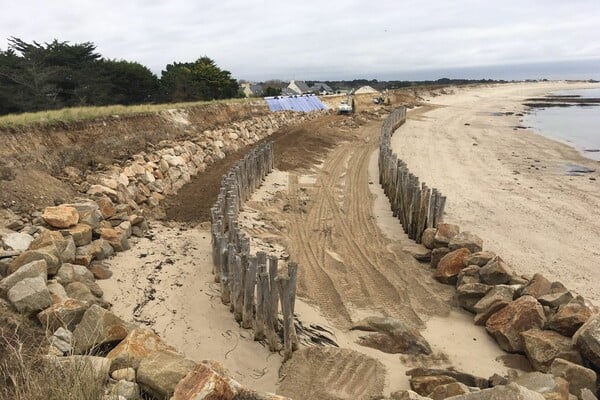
<point x="27" y="190"/>
<point x="329" y="373"/>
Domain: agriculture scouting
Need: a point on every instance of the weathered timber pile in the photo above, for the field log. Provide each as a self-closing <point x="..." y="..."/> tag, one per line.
<point x="557" y="330"/>
<point x="416" y="206"/>
<point x="251" y="284"/>
<point x="50" y="260"/>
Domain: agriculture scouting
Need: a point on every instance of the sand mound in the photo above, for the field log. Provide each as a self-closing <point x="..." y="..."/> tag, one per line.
<point x="330" y="374"/>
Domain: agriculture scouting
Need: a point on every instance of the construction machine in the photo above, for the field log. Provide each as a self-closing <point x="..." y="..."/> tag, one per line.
<point x="347" y="106"/>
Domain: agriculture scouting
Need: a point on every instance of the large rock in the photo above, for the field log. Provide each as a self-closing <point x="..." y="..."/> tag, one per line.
<point x="202" y="383"/>
<point x="480" y="258"/>
<point x="419" y="252"/>
<point x="69" y="273"/>
<point x="450" y="265"/>
<point x="17" y="241"/>
<point x="81" y="291"/>
<point x="587" y="340"/>
<point x="125" y="390"/>
<point x="57" y="291"/>
<point x="542" y="347"/>
<point x="99" y="249"/>
<point x="427" y="239"/>
<point x="425" y="384"/>
<point x="538" y="286"/>
<point x="557" y="299"/>
<point x="469" y="294"/>
<point x="81" y="233"/>
<point x="444" y="233"/>
<point x="462" y="377"/>
<point x="30" y="295"/>
<point x="67" y="250"/>
<point x="60" y="216"/>
<point x="570" y="317"/>
<point x="497" y="298"/>
<point x="393" y="336"/>
<point x="579" y="377"/>
<point x="68" y="313"/>
<point x="84" y="366"/>
<point x="469" y="274"/>
<point x="495" y="272"/>
<point x="139" y="344"/>
<point x="49" y="254"/>
<point x="507" y="324"/>
<point x="33" y="269"/>
<point x="466" y="240"/>
<point x="46" y="238"/>
<point x="159" y="373"/>
<point x="546" y="384"/>
<point x="98" y="326"/>
<point x="102" y="191"/>
<point x="106" y="207"/>
<point x="116" y="237"/>
<point x="511" y="391"/>
<point x="437" y="255"/>
<point x="89" y="212"/>
<point x="100" y="270"/>
<point x="448" y="390"/>
<point x="407" y="395"/>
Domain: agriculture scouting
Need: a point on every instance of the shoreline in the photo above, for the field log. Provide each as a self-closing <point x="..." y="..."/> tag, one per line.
<point x="507" y="184"/>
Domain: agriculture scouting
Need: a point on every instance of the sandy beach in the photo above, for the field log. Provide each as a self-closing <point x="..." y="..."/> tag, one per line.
<point x="508" y="185"/>
<point x="505" y="184"/>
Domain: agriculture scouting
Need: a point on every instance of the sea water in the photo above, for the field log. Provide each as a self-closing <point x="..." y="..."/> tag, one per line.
<point x="578" y="126"/>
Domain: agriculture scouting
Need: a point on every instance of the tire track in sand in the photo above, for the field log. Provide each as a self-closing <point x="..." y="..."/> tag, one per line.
<point x="347" y="266"/>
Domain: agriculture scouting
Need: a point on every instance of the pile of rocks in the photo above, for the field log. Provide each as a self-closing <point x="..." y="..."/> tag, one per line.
<point x="148" y="177"/>
<point x="557" y="330"/>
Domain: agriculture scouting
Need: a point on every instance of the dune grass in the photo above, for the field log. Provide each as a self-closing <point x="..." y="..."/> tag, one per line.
<point x="73" y="114"/>
<point x="26" y="375"/>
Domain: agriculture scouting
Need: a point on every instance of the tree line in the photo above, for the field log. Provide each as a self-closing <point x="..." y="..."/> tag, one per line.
<point x="35" y="77"/>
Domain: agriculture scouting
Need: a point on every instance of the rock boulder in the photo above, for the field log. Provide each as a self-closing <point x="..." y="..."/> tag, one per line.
<point x="587" y="340"/>
<point x="159" y="373"/>
<point x="203" y="383"/>
<point x="450" y="265"/>
<point x="542" y="347"/>
<point x="466" y="240"/>
<point x="60" y="216"/>
<point x="507" y="324"/>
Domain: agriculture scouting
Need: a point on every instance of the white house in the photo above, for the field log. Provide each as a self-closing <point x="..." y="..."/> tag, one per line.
<point x="298" y="87"/>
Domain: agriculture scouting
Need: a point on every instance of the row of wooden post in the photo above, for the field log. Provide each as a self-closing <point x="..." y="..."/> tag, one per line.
<point x="251" y="284"/>
<point x="417" y="206"/>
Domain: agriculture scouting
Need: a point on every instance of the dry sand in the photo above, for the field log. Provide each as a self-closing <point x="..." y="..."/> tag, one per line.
<point x="509" y="185"/>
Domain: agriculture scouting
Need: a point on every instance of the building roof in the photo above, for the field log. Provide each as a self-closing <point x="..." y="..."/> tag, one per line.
<point x="300" y="85"/>
<point x="321" y="87"/>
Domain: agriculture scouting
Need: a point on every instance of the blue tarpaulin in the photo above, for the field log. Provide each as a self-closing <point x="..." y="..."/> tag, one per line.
<point x="304" y="103"/>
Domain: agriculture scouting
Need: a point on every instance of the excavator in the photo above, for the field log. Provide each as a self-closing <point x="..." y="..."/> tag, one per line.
<point x="347" y="106"/>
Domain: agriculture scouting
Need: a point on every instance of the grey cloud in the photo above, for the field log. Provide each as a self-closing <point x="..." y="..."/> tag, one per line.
<point x="322" y="39"/>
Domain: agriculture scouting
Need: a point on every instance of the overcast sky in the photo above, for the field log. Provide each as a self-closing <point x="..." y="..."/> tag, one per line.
<point x="329" y="39"/>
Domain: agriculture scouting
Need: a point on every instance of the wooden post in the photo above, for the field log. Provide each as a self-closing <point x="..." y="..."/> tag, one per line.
<point x="259" y="318"/>
<point x="248" y="312"/>
<point x="288" y="320"/>
<point x="274" y="292"/>
<point x="293" y="274"/>
<point x="237" y="300"/>
<point x="225" y="293"/>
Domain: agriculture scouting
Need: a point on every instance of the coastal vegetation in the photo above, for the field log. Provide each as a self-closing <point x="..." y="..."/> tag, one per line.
<point x="50" y="76"/>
